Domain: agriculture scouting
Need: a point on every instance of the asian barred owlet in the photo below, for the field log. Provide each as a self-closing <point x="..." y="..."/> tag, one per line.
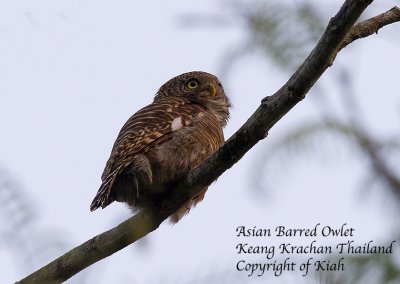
<point x="161" y="143"/>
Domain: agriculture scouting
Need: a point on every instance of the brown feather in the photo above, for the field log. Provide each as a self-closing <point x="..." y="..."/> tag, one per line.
<point x="161" y="143"/>
<point x="149" y="126"/>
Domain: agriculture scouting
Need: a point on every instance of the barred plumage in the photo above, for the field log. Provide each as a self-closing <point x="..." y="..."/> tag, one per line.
<point x="161" y="143"/>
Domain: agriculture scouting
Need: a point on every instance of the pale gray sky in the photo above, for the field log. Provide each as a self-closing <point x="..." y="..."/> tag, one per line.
<point x="72" y="72"/>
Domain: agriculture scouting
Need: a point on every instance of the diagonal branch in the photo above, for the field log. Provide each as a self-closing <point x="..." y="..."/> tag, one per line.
<point x="371" y="26"/>
<point x="271" y="110"/>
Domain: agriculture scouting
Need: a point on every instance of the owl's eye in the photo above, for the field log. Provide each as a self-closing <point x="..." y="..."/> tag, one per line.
<point x="192" y="84"/>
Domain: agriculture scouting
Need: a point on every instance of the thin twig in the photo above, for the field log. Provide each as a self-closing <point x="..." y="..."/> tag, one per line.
<point x="371" y="26"/>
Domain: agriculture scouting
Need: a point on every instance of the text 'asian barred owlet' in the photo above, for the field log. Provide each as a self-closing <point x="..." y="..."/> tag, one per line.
<point x="161" y="143"/>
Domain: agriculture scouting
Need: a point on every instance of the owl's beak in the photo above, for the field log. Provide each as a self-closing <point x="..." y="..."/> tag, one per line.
<point x="209" y="89"/>
<point x="213" y="90"/>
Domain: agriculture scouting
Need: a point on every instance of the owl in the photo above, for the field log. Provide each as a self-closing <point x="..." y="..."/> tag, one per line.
<point x="161" y="143"/>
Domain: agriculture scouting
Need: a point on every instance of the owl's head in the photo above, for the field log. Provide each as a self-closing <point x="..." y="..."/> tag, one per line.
<point x="201" y="88"/>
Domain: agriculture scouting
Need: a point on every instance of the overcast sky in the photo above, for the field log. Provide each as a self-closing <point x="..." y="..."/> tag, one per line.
<point x="72" y="72"/>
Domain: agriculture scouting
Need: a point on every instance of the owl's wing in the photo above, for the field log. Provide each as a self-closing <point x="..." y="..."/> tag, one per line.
<point x="148" y="127"/>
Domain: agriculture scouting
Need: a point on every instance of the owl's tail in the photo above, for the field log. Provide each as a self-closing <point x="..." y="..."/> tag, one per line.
<point x="103" y="197"/>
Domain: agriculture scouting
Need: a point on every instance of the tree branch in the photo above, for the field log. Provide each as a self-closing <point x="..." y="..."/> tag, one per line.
<point x="371" y="26"/>
<point x="271" y="110"/>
